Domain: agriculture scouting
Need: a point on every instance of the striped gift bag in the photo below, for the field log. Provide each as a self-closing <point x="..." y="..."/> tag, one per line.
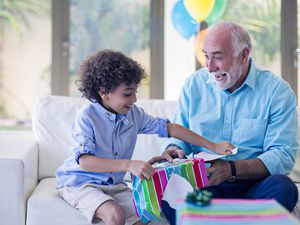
<point x="235" y="212"/>
<point x="147" y="194"/>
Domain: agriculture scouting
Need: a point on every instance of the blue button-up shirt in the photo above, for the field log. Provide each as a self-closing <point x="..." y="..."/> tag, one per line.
<point x="99" y="132"/>
<point x="260" y="117"/>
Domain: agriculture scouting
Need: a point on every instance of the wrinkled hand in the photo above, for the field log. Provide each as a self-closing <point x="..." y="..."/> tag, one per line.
<point x="140" y="169"/>
<point x="173" y="152"/>
<point x="224" y="148"/>
<point x="169" y="154"/>
<point x="218" y="172"/>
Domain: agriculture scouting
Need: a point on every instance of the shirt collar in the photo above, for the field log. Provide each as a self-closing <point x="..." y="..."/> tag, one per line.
<point x="250" y="80"/>
<point x="111" y="116"/>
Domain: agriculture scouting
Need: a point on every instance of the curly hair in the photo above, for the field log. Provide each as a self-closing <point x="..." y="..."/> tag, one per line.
<point x="106" y="70"/>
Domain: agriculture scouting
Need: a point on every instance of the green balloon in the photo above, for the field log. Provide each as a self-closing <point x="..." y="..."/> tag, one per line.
<point x="217" y="11"/>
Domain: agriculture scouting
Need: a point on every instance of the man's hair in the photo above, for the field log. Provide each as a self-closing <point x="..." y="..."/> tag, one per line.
<point x="105" y="71"/>
<point x="240" y="38"/>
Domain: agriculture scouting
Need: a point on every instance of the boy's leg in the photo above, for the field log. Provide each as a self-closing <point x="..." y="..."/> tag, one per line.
<point x="110" y="213"/>
<point x="86" y="198"/>
<point x="123" y="196"/>
<point x="278" y="187"/>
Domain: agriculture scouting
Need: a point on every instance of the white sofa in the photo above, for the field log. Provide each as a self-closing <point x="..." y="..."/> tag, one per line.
<point x="28" y="161"/>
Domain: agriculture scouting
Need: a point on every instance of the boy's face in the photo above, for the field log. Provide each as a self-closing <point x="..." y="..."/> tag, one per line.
<point x="120" y="99"/>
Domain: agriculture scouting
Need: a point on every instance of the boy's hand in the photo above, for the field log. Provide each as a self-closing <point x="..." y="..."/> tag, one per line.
<point x="140" y="169"/>
<point x="224" y="148"/>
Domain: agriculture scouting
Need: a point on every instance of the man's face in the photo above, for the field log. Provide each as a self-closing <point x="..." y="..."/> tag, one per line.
<point x="220" y="60"/>
<point x="120" y="99"/>
<point x="225" y="80"/>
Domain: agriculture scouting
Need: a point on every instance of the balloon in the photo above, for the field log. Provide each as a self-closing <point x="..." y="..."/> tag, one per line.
<point x="217" y="11"/>
<point x="182" y="21"/>
<point x="199" y="9"/>
<point x="199" y="45"/>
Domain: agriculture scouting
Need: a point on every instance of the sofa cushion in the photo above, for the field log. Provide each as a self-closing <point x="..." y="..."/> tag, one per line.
<point x="51" y="124"/>
<point x="47" y="208"/>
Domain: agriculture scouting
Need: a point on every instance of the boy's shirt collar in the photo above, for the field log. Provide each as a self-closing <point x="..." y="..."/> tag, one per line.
<point x="111" y="116"/>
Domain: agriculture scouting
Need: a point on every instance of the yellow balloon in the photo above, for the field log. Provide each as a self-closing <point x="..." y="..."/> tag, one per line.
<point x="199" y="45"/>
<point x="199" y="9"/>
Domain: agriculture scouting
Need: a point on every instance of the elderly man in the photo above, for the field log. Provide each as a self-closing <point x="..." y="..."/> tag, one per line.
<point x="233" y="100"/>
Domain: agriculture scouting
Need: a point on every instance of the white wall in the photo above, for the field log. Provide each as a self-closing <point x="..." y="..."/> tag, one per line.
<point x="179" y="56"/>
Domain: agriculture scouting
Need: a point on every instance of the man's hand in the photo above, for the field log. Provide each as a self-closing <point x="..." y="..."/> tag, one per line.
<point x="169" y="154"/>
<point x="218" y="172"/>
<point x="173" y="152"/>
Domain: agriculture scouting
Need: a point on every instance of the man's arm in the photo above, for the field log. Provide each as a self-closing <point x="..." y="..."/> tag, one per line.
<point x="250" y="169"/>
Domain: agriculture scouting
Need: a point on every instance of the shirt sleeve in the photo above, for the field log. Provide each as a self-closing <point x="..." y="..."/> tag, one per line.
<point x="152" y="125"/>
<point x="280" y="143"/>
<point x="181" y="116"/>
<point x="83" y="136"/>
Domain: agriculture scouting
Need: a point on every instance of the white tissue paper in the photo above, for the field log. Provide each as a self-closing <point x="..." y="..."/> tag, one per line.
<point x="210" y="156"/>
<point x="177" y="188"/>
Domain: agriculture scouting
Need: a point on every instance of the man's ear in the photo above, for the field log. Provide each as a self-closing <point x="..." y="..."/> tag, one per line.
<point x="245" y="54"/>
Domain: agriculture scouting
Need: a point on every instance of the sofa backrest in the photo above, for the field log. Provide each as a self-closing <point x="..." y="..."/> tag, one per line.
<point x="52" y="120"/>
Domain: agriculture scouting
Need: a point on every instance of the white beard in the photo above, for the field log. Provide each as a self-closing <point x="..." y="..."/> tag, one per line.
<point x="230" y="77"/>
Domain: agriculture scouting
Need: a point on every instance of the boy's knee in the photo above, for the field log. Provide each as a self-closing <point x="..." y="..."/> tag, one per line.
<point x="111" y="213"/>
<point x="117" y="216"/>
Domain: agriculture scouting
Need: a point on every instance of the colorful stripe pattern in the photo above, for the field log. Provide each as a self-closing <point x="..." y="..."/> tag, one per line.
<point x="147" y="194"/>
<point x="235" y="212"/>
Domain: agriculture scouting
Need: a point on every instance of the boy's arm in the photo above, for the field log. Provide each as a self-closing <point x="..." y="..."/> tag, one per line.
<point x="138" y="168"/>
<point x="180" y="132"/>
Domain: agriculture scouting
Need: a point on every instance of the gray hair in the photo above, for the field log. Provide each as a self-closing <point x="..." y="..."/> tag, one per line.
<point x="240" y="38"/>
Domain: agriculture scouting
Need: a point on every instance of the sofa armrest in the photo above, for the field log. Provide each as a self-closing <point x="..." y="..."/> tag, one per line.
<point x="18" y="174"/>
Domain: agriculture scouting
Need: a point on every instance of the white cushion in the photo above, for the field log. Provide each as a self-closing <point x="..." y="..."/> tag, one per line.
<point x="51" y="124"/>
<point x="47" y="208"/>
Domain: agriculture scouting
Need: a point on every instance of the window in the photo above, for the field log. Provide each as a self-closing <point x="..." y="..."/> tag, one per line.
<point x="262" y="20"/>
<point x="25" y="59"/>
<point x="36" y="60"/>
<point x="109" y="24"/>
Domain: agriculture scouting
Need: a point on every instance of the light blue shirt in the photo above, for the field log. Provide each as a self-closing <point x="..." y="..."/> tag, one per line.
<point x="259" y="118"/>
<point x="99" y="132"/>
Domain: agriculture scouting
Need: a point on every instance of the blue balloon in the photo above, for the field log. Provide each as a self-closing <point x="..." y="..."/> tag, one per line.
<point x="183" y="22"/>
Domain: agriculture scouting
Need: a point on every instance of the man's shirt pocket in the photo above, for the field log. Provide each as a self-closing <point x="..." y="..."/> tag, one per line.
<point x="250" y="132"/>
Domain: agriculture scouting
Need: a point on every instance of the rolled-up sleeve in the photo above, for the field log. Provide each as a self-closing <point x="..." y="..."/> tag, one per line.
<point x="82" y="135"/>
<point x="280" y="144"/>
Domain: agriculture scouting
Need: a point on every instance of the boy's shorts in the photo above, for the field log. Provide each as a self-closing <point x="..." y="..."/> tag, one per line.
<point x="87" y="198"/>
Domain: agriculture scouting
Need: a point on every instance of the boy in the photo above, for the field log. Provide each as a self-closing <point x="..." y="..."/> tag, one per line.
<point x="104" y="135"/>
